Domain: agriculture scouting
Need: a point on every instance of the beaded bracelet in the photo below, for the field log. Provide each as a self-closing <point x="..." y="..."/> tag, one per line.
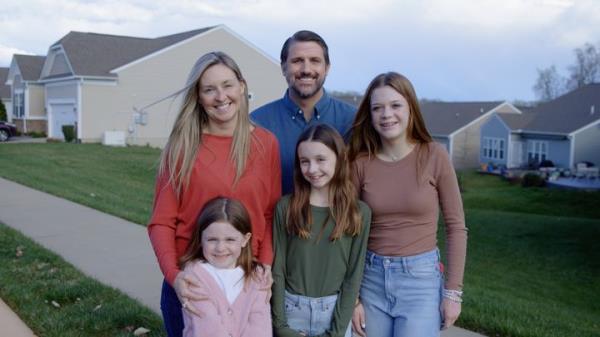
<point x="453" y="295"/>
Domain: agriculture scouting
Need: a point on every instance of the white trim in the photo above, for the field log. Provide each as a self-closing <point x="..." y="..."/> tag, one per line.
<point x="61" y="84"/>
<point x="592" y="124"/>
<point x="37" y="118"/>
<point x="571" y="139"/>
<point x="69" y="78"/>
<point x="509" y="143"/>
<point x="79" y="99"/>
<point x="163" y="50"/>
<point x="482" y="116"/>
<point x="99" y="82"/>
<point x="25" y="103"/>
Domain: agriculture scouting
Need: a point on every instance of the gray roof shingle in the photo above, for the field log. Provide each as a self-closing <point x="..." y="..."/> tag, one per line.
<point x="568" y="112"/>
<point x="92" y="54"/>
<point x="562" y="115"/>
<point x="30" y="66"/>
<point x="444" y="118"/>
<point x="4" y="89"/>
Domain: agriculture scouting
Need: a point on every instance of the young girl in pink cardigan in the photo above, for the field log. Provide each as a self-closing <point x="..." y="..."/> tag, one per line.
<point x="235" y="287"/>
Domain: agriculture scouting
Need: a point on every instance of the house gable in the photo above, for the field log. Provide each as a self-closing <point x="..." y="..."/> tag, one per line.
<point x="505" y="107"/>
<point x="57" y="64"/>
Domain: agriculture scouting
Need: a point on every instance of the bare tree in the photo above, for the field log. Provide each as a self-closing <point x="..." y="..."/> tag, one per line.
<point x="549" y="84"/>
<point x="586" y="69"/>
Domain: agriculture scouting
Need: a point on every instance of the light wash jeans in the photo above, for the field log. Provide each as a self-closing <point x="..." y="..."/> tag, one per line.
<point x="310" y="315"/>
<point x="402" y="295"/>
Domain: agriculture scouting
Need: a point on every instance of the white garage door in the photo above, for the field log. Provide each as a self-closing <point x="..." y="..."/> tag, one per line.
<point x="62" y="114"/>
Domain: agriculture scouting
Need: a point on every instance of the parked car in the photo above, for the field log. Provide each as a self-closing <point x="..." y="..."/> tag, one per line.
<point x="7" y="130"/>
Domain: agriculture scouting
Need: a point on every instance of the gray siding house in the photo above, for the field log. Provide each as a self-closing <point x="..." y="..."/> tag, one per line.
<point x="27" y="93"/>
<point x="457" y="126"/>
<point x="5" y="95"/>
<point x="565" y="130"/>
<point x="98" y="82"/>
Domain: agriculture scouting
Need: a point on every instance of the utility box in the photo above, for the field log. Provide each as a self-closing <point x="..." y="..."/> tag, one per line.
<point x="113" y="138"/>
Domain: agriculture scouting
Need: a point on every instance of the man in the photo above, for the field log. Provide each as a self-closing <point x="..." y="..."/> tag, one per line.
<point x="305" y="64"/>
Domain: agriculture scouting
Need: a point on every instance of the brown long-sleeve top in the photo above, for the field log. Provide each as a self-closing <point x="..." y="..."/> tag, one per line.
<point x="406" y="209"/>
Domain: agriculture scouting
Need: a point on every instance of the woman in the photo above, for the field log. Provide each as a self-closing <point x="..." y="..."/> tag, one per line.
<point x="213" y="150"/>
<point x="405" y="177"/>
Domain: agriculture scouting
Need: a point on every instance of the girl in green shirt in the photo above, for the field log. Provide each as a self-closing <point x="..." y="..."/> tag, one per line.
<point x="320" y="236"/>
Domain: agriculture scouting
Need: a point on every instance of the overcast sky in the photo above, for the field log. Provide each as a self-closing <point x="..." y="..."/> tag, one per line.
<point x="451" y="50"/>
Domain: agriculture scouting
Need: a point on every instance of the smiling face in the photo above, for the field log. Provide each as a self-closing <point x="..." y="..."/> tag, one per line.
<point x="390" y="114"/>
<point x="317" y="163"/>
<point x="305" y="69"/>
<point x="220" y="94"/>
<point x="222" y="244"/>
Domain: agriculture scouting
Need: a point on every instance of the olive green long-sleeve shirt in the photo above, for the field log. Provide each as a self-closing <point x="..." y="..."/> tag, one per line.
<point x="320" y="268"/>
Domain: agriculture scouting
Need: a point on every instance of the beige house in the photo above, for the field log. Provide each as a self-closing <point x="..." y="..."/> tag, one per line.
<point x="27" y="93"/>
<point x="457" y="125"/>
<point x="100" y="82"/>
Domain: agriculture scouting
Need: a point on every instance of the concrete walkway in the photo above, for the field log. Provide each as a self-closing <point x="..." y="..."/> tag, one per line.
<point x="112" y="250"/>
<point x="11" y="323"/>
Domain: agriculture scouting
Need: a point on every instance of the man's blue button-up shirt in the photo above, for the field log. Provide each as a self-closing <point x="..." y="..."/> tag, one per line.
<point x="285" y="119"/>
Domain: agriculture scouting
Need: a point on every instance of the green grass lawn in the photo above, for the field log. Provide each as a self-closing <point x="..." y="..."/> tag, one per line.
<point x="56" y="300"/>
<point x="533" y="262"/>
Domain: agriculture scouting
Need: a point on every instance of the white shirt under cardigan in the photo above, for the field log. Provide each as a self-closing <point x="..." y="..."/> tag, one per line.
<point x="231" y="280"/>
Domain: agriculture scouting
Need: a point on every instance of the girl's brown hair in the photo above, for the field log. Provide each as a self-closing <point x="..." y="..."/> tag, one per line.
<point x="365" y="140"/>
<point x="226" y="210"/>
<point x="343" y="203"/>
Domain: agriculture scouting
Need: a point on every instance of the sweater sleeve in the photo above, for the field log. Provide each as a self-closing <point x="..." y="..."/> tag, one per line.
<point x="161" y="228"/>
<point x="265" y="255"/>
<point x="344" y="307"/>
<point x="454" y="220"/>
<point x="278" y="270"/>
<point x="259" y="319"/>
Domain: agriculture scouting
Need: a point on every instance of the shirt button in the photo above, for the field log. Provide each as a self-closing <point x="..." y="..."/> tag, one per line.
<point x="229" y="311"/>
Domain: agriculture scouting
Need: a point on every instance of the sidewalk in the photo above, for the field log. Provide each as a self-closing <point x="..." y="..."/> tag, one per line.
<point x="11" y="323"/>
<point x="112" y="250"/>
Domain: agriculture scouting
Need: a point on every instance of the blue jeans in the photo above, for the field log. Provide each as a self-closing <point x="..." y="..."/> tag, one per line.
<point x="402" y="295"/>
<point x="171" y="311"/>
<point x="310" y="315"/>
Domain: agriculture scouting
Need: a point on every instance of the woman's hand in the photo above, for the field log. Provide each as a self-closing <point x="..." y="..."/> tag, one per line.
<point x="450" y="312"/>
<point x="267" y="280"/>
<point x="183" y="285"/>
<point x="358" y="320"/>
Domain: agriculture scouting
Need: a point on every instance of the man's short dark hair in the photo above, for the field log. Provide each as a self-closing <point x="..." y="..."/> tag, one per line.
<point x="304" y="36"/>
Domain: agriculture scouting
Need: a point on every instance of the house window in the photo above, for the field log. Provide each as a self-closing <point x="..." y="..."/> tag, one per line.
<point x="493" y="148"/>
<point x="537" y="150"/>
<point x="19" y="104"/>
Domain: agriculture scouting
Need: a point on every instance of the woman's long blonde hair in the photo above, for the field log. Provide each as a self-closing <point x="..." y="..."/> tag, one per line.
<point x="179" y="154"/>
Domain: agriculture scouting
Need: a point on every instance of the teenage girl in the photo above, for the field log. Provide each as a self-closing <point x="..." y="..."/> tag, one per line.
<point x="320" y="236"/>
<point x="234" y="287"/>
<point x="213" y="150"/>
<point x="406" y="179"/>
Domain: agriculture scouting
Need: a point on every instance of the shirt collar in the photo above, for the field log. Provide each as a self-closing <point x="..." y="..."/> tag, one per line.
<point x="294" y="109"/>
